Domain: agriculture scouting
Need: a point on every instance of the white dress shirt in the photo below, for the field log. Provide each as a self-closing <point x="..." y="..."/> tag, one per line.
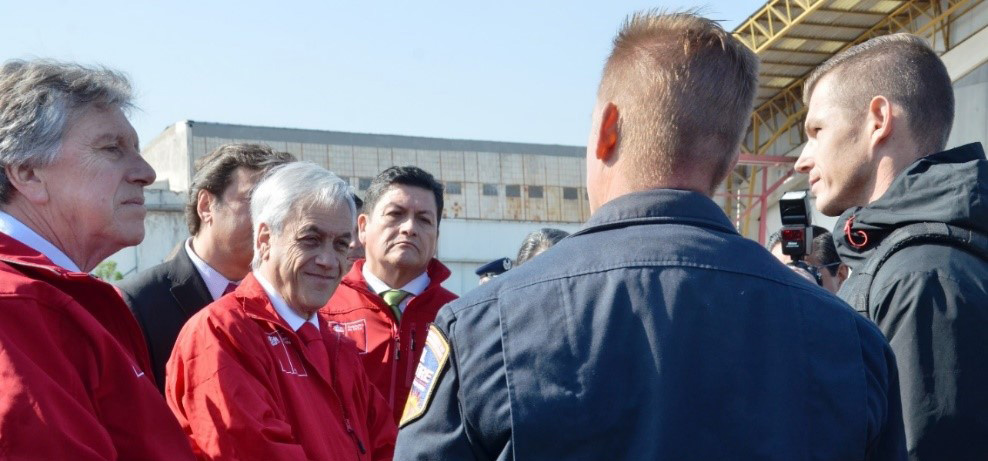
<point x="19" y="231"/>
<point x="216" y="283"/>
<point x="290" y="317"/>
<point x="415" y="287"/>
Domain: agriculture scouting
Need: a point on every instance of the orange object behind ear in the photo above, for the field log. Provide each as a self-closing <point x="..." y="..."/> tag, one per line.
<point x="608" y="138"/>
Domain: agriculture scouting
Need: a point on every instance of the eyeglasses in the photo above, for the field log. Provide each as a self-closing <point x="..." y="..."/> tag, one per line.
<point x="821" y="267"/>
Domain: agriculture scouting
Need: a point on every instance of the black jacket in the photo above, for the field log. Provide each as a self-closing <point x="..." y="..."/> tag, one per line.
<point x="931" y="301"/>
<point x="656" y="332"/>
<point x="163" y="298"/>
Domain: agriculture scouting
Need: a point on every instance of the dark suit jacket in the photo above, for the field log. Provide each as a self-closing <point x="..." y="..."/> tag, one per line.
<point x="163" y="298"/>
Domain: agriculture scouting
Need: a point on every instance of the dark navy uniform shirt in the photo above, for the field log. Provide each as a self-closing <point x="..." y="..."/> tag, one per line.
<point x="656" y="332"/>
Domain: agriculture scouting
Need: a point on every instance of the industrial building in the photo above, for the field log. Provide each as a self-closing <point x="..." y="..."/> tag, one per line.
<point x="496" y="192"/>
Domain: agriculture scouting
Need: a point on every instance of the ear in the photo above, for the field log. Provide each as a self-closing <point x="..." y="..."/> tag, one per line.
<point x="607" y="135"/>
<point x="263" y="244"/>
<point x="880" y="119"/>
<point x="843" y="272"/>
<point x="28" y="182"/>
<point x="361" y="226"/>
<point x="204" y="206"/>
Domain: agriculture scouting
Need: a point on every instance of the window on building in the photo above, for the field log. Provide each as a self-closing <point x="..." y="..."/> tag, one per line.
<point x="534" y="191"/>
<point x="570" y="193"/>
<point x="363" y="183"/>
<point x="490" y="190"/>
<point x="454" y="187"/>
<point x="513" y="190"/>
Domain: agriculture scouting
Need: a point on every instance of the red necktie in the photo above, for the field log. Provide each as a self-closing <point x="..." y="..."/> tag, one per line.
<point x="315" y="348"/>
<point x="229" y="288"/>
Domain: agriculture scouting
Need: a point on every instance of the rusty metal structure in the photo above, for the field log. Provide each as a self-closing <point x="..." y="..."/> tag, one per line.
<point x="792" y="37"/>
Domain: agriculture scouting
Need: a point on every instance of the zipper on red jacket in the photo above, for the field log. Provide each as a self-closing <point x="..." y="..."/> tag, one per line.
<point x="349" y="428"/>
<point x="411" y="355"/>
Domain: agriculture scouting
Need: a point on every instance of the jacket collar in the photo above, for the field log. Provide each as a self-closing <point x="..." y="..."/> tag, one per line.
<point x="188" y="288"/>
<point x="13" y="251"/>
<point x="949" y="187"/>
<point x="671" y="206"/>
<point x="438" y="273"/>
<point x="255" y="303"/>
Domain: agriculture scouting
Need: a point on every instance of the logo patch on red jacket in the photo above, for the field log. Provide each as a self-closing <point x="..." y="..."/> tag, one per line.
<point x="287" y="358"/>
<point x="355" y="331"/>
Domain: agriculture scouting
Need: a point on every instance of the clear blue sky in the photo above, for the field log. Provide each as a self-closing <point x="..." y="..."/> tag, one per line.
<point x="521" y="71"/>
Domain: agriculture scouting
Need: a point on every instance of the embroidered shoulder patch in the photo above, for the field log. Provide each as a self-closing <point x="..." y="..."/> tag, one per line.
<point x="434" y="358"/>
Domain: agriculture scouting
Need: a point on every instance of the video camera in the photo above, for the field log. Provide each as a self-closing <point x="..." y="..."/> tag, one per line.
<point x="797" y="230"/>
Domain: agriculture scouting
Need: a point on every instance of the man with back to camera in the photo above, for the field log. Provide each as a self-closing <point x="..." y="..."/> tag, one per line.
<point x="635" y="338"/>
<point x="216" y="256"/>
<point x="257" y="374"/>
<point x="74" y="371"/>
<point x="822" y="258"/>
<point x="874" y="156"/>
<point x="387" y="301"/>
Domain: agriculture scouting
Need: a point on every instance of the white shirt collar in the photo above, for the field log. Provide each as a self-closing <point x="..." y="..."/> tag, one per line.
<point x="216" y="283"/>
<point x="290" y="317"/>
<point x="19" y="231"/>
<point x="415" y="287"/>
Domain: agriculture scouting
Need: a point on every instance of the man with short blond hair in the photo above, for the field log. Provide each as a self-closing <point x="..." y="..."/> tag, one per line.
<point x="636" y="338"/>
<point x="911" y="218"/>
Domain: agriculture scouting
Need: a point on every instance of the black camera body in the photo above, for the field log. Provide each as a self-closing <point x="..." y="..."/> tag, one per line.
<point x="797" y="230"/>
<point x="797" y="233"/>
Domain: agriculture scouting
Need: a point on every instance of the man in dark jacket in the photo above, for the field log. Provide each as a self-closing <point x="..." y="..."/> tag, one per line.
<point x="636" y="338"/>
<point x="871" y="155"/>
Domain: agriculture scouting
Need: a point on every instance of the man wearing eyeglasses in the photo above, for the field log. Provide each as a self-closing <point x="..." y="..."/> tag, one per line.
<point x="830" y="272"/>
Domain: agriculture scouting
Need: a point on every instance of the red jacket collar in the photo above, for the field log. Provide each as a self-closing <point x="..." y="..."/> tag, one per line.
<point x="438" y="273"/>
<point x="255" y="302"/>
<point x="13" y="251"/>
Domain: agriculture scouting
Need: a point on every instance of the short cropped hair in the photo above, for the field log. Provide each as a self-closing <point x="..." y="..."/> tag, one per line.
<point x="537" y="242"/>
<point x="684" y="88"/>
<point x="215" y="173"/>
<point x="905" y="70"/>
<point x="288" y="189"/>
<point x="406" y="176"/>
<point x="39" y="98"/>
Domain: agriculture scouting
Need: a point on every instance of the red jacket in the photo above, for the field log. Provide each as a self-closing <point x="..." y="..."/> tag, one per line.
<point x="75" y="380"/>
<point x="243" y="387"/>
<point x="390" y="351"/>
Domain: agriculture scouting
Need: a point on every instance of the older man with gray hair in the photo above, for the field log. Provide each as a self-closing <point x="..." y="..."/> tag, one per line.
<point x="258" y="373"/>
<point x="74" y="369"/>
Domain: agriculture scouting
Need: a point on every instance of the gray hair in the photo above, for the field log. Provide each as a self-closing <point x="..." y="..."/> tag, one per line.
<point x="537" y="242"/>
<point x="38" y="99"/>
<point x="289" y="188"/>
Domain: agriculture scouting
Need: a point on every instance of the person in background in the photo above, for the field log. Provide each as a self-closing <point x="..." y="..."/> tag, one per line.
<point x="656" y="331"/>
<point x="356" y="247"/>
<point x="387" y="301"/>
<point x="74" y="371"/>
<point x="488" y="271"/>
<point x="213" y="260"/>
<point x="823" y="258"/>
<point x="257" y="374"/>
<point x="537" y="242"/>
